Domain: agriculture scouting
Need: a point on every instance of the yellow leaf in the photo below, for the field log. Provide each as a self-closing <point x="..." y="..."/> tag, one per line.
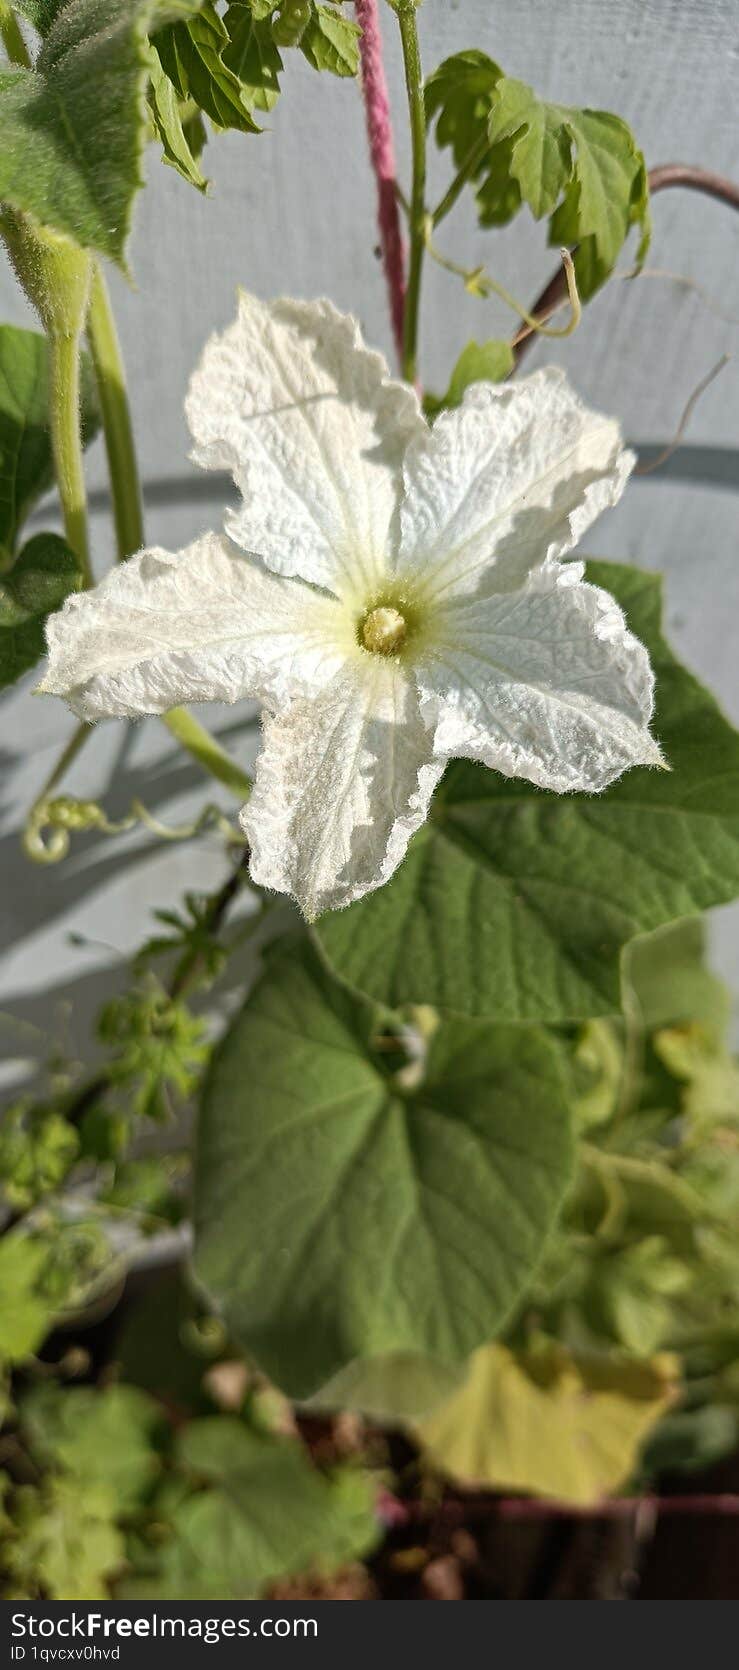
<point x="548" y="1423"/>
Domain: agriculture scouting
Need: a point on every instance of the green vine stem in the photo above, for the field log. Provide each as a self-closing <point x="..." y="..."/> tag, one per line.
<point x="64" y="418"/>
<point x="119" y="442"/>
<point x="406" y="13"/>
<point x="193" y="737"/>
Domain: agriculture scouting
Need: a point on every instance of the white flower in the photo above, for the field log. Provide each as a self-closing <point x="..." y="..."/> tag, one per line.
<point x="393" y="596"/>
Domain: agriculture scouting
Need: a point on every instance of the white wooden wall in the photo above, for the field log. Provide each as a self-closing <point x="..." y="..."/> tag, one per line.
<point x="293" y="211"/>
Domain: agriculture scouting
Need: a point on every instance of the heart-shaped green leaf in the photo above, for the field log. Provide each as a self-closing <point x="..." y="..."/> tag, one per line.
<point x="340" y="1214"/>
<point x="515" y="903"/>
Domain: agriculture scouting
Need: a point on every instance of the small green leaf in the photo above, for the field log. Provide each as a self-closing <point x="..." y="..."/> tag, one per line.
<point x="269" y="1513"/>
<point x="516" y="903"/>
<point x="331" y="42"/>
<point x="479" y="362"/>
<point x="37" y="1149"/>
<point x="167" y="112"/>
<point x="43" y="575"/>
<point x="105" y="1438"/>
<point x="24" y="1313"/>
<point x="581" y="169"/>
<point x="192" y="54"/>
<point x="252" y="55"/>
<point x="63" y="1543"/>
<point x="339" y="1215"/>
<point x="72" y="130"/>
<point x="26" y="464"/>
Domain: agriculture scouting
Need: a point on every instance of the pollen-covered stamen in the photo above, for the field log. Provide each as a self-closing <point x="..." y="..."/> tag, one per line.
<point x="384" y="631"/>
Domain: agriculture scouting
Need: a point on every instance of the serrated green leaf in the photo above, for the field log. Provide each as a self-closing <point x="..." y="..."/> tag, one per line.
<point x="167" y="112"/>
<point x="26" y="464"/>
<point x="516" y="903"/>
<point x="42" y="576"/>
<point x="64" y="1543"/>
<point x="192" y="54"/>
<point x="548" y="1422"/>
<point x="37" y="1149"/>
<point x="331" y="42"/>
<point x="252" y="55"/>
<point x="72" y="130"/>
<point x="270" y="1514"/>
<point x="580" y="168"/>
<point x="104" y="1438"/>
<point x="338" y="1216"/>
<point x="24" y="1313"/>
<point x="479" y="362"/>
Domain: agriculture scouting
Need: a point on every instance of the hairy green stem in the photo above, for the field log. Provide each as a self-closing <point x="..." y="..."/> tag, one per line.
<point x="119" y="442"/>
<point x="406" y="12"/>
<point x="64" y="417"/>
<point x="12" y="38"/>
<point x="193" y="737"/>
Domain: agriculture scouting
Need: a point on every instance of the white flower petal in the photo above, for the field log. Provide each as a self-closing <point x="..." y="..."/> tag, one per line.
<point x="206" y="624"/>
<point x="342" y="783"/>
<point x="306" y="419"/>
<point x="545" y="683"/>
<point x="511" y="478"/>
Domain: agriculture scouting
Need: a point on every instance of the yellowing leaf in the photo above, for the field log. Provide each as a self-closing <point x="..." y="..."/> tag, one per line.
<point x="548" y="1423"/>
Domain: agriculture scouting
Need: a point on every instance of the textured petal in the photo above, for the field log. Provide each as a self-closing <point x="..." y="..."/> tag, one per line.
<point x="545" y="683"/>
<point x="204" y="625"/>
<point x="511" y="478"/>
<point x="306" y="419"/>
<point x="341" y="785"/>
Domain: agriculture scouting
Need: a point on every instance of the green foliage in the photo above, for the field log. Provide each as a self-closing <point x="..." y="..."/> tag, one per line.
<point x="191" y="934"/>
<point x="192" y="55"/>
<point x="331" y="42"/>
<point x="516" y="904"/>
<point x="178" y="124"/>
<point x="38" y="1147"/>
<point x="25" y="1312"/>
<point x="73" y="128"/>
<point x="579" y="168"/>
<point x="38" y="582"/>
<point x="106" y="1438"/>
<point x="265" y="1512"/>
<point x="548" y="1422"/>
<point x="384" y="1197"/>
<point x="62" y="1541"/>
<point x="157" y="1047"/>
<point x="479" y="362"/>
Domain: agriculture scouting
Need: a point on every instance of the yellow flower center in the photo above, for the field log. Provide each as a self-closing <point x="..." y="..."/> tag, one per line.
<point x="384" y="631"/>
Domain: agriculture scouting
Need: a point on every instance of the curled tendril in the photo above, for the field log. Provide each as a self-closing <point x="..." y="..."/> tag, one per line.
<point x="52" y="821"/>
<point x="478" y="282"/>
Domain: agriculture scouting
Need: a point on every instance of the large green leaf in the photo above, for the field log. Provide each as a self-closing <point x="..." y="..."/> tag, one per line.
<point x="45" y="573"/>
<point x="72" y="130"/>
<point x="339" y="1215"/>
<point x="269" y="1513"/>
<point x="26" y="463"/>
<point x="580" y="168"/>
<point x="516" y="903"/>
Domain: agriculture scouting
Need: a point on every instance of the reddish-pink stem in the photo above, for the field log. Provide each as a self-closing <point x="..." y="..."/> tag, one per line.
<point x="382" y="154"/>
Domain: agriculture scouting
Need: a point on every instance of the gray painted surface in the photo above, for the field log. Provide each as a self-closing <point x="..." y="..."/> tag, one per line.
<point x="293" y="212"/>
